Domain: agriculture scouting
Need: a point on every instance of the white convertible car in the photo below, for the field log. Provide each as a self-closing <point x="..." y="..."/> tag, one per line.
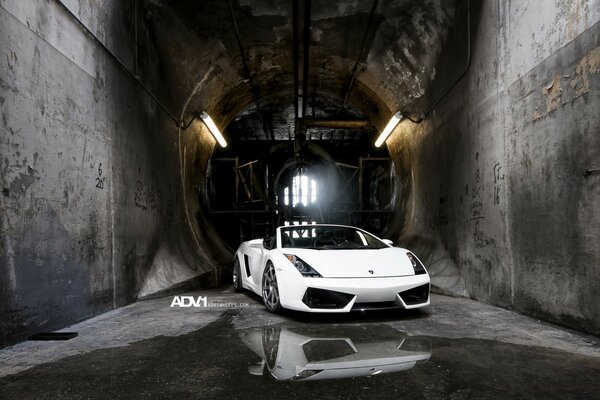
<point x="330" y="268"/>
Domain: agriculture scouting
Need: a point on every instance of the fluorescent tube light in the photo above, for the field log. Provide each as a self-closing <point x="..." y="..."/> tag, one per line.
<point x="213" y="129"/>
<point x="388" y="129"/>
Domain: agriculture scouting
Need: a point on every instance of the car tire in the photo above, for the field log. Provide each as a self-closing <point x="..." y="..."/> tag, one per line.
<point x="237" y="275"/>
<point x="270" y="290"/>
<point x="270" y="341"/>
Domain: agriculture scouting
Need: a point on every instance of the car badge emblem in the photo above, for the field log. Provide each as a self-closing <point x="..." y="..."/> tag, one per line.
<point x="371" y="271"/>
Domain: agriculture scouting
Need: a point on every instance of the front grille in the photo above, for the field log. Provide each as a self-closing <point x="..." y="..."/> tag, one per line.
<point x="375" y="305"/>
<point x="416" y="295"/>
<point x="320" y="298"/>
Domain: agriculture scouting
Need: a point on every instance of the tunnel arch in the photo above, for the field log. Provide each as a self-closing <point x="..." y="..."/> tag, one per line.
<point x="219" y="83"/>
<point x="244" y="107"/>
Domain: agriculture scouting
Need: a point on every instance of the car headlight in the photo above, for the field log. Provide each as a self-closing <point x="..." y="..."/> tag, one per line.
<point x="302" y="266"/>
<point x="417" y="266"/>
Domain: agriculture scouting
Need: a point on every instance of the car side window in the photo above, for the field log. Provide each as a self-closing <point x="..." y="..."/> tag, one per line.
<point x="286" y="240"/>
<point x="357" y="239"/>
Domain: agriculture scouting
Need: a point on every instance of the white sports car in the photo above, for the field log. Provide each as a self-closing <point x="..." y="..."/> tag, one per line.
<point x="330" y="268"/>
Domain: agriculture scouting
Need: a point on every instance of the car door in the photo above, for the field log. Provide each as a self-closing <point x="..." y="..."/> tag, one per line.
<point x="258" y="264"/>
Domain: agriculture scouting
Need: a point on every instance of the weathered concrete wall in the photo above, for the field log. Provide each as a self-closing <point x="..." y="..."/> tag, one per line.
<point x="91" y="212"/>
<point x="103" y="196"/>
<point x="496" y="172"/>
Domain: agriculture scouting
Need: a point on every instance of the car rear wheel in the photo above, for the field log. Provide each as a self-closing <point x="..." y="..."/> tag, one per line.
<point x="237" y="275"/>
<point x="270" y="291"/>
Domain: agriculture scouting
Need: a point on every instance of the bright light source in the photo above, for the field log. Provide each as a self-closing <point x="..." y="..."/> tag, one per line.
<point x="213" y="129"/>
<point x="304" y="190"/>
<point x="388" y="129"/>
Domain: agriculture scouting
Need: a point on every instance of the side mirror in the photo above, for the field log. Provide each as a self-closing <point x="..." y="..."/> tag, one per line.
<point x="388" y="242"/>
<point x="268" y="243"/>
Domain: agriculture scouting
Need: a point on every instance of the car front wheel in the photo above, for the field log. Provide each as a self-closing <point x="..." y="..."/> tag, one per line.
<point x="270" y="290"/>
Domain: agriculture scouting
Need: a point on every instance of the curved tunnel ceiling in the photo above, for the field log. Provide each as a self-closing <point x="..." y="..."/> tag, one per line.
<point x="401" y="50"/>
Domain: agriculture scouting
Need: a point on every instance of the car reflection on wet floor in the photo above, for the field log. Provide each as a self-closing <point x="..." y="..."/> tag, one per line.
<point x="303" y="354"/>
<point x="293" y="359"/>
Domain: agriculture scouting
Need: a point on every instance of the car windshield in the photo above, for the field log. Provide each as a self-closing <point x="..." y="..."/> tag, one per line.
<point x="324" y="237"/>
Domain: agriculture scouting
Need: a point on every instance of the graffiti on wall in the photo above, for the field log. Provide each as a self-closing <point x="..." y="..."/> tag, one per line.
<point x="476" y="210"/>
<point x="100" y="179"/>
<point x="147" y="196"/>
<point x="498" y="176"/>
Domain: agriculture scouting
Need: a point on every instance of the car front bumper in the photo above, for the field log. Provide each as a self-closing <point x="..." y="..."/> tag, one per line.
<point x="363" y="293"/>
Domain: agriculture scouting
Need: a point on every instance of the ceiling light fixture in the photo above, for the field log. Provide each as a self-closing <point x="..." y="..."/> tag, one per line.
<point x="388" y="129"/>
<point x="213" y="129"/>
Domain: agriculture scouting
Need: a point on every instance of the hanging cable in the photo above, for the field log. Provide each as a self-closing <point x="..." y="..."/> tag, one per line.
<point x="422" y="117"/>
<point x="121" y="64"/>
<point x="248" y="75"/>
<point x="361" y="55"/>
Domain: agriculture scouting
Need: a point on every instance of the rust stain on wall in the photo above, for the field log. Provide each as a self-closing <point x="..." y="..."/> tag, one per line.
<point x="552" y="91"/>
<point x="589" y="64"/>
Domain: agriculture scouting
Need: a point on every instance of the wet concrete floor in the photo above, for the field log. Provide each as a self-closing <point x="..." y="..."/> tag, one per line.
<point x="240" y="351"/>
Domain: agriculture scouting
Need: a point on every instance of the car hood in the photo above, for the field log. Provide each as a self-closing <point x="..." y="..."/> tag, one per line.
<point x="356" y="263"/>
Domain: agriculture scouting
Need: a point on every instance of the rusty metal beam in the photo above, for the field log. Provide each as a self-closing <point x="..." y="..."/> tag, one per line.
<point x="335" y="123"/>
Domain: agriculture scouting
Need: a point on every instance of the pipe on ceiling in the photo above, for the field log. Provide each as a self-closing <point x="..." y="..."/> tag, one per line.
<point x="361" y="55"/>
<point x="246" y="74"/>
<point x="306" y="55"/>
<point x="309" y="122"/>
<point x="295" y="55"/>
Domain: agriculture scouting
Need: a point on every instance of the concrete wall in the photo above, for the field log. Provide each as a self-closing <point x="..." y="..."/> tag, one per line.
<point x="103" y="195"/>
<point x="91" y="214"/>
<point x="498" y="201"/>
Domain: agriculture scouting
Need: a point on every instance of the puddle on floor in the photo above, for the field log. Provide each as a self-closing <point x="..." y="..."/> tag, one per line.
<point x="299" y="360"/>
<point x="305" y="353"/>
